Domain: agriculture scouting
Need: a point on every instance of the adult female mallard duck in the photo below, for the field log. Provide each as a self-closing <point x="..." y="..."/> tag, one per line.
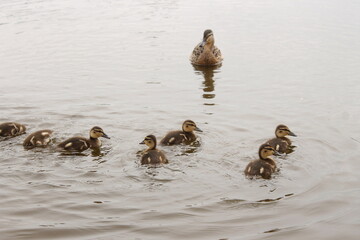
<point x="281" y="143"/>
<point x="79" y="144"/>
<point x="206" y="53"/>
<point x="152" y="155"/>
<point x="186" y="135"/>
<point x="11" y="129"/>
<point x="264" y="166"/>
<point x="38" y="139"/>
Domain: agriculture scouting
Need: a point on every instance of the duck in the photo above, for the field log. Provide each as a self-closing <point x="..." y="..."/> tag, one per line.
<point x="152" y="155"/>
<point x="40" y="138"/>
<point x="281" y="143"/>
<point x="79" y="144"/>
<point x="206" y="53"/>
<point x="186" y="135"/>
<point x="264" y="166"/>
<point x="11" y="129"/>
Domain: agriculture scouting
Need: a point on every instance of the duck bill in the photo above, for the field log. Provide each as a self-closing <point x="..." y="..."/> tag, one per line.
<point x="202" y="44"/>
<point x="292" y="134"/>
<point x="105" y="136"/>
<point x="143" y="142"/>
<point x="198" y="129"/>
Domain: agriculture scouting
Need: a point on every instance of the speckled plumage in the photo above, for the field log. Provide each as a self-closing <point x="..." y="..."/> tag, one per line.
<point x="38" y="139"/>
<point x="206" y="53"/>
<point x="11" y="129"/>
<point x="186" y="136"/>
<point x="152" y="155"/>
<point x="263" y="167"/>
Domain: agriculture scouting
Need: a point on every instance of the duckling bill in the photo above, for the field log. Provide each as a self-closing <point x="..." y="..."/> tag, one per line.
<point x="281" y="143"/>
<point x="206" y="53"/>
<point x="264" y="166"/>
<point x="11" y="129"/>
<point x="152" y="155"/>
<point x="79" y="144"/>
<point x="186" y="135"/>
<point x="38" y="139"/>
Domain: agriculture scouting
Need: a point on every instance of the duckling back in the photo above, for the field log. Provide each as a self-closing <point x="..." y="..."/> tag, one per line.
<point x="11" y="129"/>
<point x="178" y="137"/>
<point x="75" y="144"/>
<point x="153" y="157"/>
<point x="259" y="168"/>
<point x="38" y="139"/>
<point x="282" y="145"/>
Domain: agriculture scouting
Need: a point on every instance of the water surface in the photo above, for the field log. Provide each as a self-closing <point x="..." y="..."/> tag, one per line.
<point x="123" y="65"/>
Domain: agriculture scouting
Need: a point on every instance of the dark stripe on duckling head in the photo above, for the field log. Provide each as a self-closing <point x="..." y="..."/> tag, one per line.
<point x="97" y="129"/>
<point x="207" y="33"/>
<point x="267" y="147"/>
<point x="284" y="128"/>
<point x="148" y="140"/>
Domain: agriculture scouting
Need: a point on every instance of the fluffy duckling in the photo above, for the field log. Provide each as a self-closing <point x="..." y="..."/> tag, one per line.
<point x="281" y="143"/>
<point x="11" y="129"/>
<point x="264" y="166"/>
<point x="206" y="53"/>
<point x="79" y="144"/>
<point x="186" y="136"/>
<point x="152" y="155"/>
<point x="38" y="139"/>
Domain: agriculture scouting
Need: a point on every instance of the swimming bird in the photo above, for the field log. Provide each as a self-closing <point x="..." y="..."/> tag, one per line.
<point x="206" y="53"/>
<point x="79" y="144"/>
<point x="11" y="129"/>
<point x="152" y="155"/>
<point x="281" y="143"/>
<point x="38" y="139"/>
<point x="264" y="166"/>
<point x="186" y="135"/>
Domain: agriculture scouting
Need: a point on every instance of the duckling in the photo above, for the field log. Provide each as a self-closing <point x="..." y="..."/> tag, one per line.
<point x="11" y="129"/>
<point x="206" y="53"/>
<point x="281" y="143"/>
<point x="185" y="136"/>
<point x="79" y="144"/>
<point x="264" y="166"/>
<point x="152" y="155"/>
<point x="38" y="139"/>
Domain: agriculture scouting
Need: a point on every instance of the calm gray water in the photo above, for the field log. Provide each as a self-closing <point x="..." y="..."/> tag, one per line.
<point x="68" y="65"/>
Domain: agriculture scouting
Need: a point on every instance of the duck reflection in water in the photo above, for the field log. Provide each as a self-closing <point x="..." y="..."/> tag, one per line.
<point x="208" y="84"/>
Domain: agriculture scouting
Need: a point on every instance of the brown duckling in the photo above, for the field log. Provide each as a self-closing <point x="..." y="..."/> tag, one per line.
<point x="79" y="144"/>
<point x="264" y="166"/>
<point x="186" y="136"/>
<point x="281" y="143"/>
<point x="206" y="53"/>
<point x="38" y="139"/>
<point x="11" y="129"/>
<point x="152" y="155"/>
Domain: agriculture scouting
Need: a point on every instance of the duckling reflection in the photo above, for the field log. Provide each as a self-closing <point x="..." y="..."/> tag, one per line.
<point x="208" y="83"/>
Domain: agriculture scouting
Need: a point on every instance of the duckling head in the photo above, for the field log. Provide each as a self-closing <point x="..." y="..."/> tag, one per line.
<point x="190" y="126"/>
<point x="150" y="141"/>
<point x="282" y="131"/>
<point x="266" y="151"/>
<point x="208" y="38"/>
<point x="97" y="132"/>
